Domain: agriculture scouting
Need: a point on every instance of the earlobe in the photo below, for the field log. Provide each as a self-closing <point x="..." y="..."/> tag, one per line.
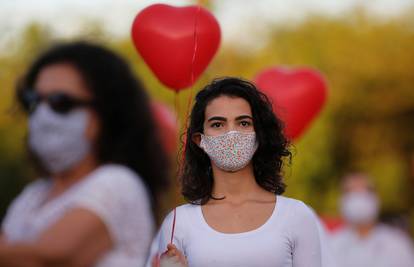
<point x="196" y="138"/>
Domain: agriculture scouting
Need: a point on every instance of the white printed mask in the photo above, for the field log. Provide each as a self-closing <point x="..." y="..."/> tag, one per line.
<point x="231" y="151"/>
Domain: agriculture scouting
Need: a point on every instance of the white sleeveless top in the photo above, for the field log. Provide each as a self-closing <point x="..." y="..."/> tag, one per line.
<point x="290" y="237"/>
<point x="112" y="192"/>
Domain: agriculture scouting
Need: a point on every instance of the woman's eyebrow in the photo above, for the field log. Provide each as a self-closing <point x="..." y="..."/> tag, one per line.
<point x="217" y="118"/>
<point x="244" y="117"/>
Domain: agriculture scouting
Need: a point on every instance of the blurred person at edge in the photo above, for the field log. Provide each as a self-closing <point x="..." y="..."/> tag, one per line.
<point x="363" y="241"/>
<point x="91" y="136"/>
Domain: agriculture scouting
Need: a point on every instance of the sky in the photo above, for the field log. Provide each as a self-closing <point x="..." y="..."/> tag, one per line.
<point x="65" y="17"/>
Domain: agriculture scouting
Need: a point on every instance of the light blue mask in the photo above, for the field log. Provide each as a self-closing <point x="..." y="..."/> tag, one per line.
<point x="58" y="139"/>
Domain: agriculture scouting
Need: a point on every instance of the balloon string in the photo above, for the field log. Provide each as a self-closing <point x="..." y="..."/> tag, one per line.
<point x="177" y="107"/>
<point x="173" y="226"/>
<point x="195" y="44"/>
<point x="190" y="99"/>
<point x="191" y="89"/>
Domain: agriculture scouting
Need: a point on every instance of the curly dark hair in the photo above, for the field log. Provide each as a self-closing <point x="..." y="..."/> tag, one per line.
<point x="197" y="178"/>
<point x="127" y="135"/>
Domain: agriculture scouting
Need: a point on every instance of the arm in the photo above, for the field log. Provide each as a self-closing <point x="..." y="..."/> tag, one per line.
<point x="76" y="240"/>
<point x="326" y="246"/>
<point x="307" y="244"/>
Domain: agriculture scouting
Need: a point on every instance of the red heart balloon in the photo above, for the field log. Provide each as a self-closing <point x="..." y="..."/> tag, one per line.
<point x="166" y="123"/>
<point x="177" y="43"/>
<point x="297" y="95"/>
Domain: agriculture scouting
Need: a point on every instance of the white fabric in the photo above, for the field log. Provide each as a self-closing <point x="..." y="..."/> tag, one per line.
<point x="326" y="247"/>
<point x="288" y="238"/>
<point x="384" y="247"/>
<point x="112" y="192"/>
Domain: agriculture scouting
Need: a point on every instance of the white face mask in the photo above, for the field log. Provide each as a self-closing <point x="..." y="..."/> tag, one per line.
<point x="58" y="139"/>
<point x="359" y="207"/>
<point x="231" y="151"/>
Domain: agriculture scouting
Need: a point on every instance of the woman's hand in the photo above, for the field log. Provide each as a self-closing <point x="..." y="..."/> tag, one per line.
<point x="173" y="257"/>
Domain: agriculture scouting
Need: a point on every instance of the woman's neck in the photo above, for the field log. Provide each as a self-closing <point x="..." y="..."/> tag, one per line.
<point x="64" y="180"/>
<point x="365" y="230"/>
<point x="235" y="186"/>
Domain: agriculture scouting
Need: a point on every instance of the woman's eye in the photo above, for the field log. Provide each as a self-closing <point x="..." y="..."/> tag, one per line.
<point x="216" y="125"/>
<point x="245" y="123"/>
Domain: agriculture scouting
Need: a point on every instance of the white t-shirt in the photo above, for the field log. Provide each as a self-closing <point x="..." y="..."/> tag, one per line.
<point x="290" y="237"/>
<point x="384" y="247"/>
<point x="112" y="192"/>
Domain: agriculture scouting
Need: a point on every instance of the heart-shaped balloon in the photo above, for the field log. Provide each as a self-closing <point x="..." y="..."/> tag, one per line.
<point x="297" y="95"/>
<point x="177" y="43"/>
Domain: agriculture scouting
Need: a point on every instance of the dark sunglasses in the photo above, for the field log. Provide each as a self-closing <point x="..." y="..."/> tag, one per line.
<point x="60" y="102"/>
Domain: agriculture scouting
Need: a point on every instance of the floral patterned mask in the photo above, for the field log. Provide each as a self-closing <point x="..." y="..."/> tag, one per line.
<point x="231" y="151"/>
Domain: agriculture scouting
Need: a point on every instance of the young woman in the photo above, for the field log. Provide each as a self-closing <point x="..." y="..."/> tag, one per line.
<point x="92" y="137"/>
<point x="232" y="180"/>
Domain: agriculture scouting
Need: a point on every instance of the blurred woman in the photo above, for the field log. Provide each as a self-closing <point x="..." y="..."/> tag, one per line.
<point x="232" y="180"/>
<point x="91" y="136"/>
<point x="364" y="241"/>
